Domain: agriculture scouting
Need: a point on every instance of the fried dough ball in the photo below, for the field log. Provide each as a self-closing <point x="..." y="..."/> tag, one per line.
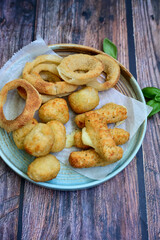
<point x="84" y="100"/>
<point x="55" y="109"/>
<point x="43" y="169"/>
<point x="20" y="134"/>
<point x="59" y="132"/>
<point x="39" y="141"/>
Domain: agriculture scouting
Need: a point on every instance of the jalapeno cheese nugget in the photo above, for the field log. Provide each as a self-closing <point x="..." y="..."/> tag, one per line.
<point x="55" y="109"/>
<point x="86" y="159"/>
<point x="59" y="132"/>
<point x="111" y="112"/>
<point x="120" y="136"/>
<point x="84" y="100"/>
<point x="101" y="138"/>
<point x="44" y="168"/>
<point x="20" y="134"/>
<point x="39" y="141"/>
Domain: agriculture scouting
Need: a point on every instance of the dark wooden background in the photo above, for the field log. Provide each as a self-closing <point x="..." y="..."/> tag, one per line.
<point x="127" y="206"/>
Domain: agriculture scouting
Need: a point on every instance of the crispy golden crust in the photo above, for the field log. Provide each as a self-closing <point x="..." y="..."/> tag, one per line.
<point x="78" y="140"/>
<point x="33" y="102"/>
<point x="43" y="169"/>
<point x="86" y="159"/>
<point x="84" y="100"/>
<point x="111" y="112"/>
<point x="79" y="69"/>
<point x="101" y="138"/>
<point x="55" y="109"/>
<point x="112" y="70"/>
<point x="20" y="134"/>
<point x="59" y="132"/>
<point x="39" y="140"/>
<point x="120" y="136"/>
<point x="42" y="86"/>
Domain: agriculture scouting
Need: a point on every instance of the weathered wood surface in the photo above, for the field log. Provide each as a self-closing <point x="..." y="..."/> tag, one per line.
<point x="115" y="209"/>
<point x="146" y="18"/>
<point x="16" y="29"/>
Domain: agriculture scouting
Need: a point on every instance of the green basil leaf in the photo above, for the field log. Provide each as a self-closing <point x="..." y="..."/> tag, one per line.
<point x="155" y="105"/>
<point x="109" y="48"/>
<point x="157" y="98"/>
<point x="150" y="92"/>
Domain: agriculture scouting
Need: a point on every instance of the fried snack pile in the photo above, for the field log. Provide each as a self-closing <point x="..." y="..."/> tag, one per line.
<point x="43" y="84"/>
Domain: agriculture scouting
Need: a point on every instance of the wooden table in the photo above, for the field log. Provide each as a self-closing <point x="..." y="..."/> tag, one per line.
<point x="127" y="206"/>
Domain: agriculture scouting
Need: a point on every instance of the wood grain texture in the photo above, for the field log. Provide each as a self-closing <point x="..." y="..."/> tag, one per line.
<point x="111" y="210"/>
<point x="16" y="28"/>
<point x="146" y="18"/>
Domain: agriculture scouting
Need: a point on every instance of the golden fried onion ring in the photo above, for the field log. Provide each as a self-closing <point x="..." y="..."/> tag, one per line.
<point x="33" y="103"/>
<point x="44" y="98"/>
<point x="112" y="70"/>
<point x="79" y="69"/>
<point x="42" y="86"/>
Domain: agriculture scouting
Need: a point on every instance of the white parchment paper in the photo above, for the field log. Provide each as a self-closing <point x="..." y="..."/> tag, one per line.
<point x="137" y="111"/>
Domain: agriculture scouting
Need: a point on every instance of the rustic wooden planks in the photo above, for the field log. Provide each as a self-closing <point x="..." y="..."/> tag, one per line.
<point x="111" y="210"/>
<point x="16" y="28"/>
<point x="146" y="18"/>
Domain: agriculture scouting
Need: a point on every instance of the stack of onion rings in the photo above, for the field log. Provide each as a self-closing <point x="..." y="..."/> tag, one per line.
<point x="79" y="69"/>
<point x="36" y="80"/>
<point x="112" y="70"/>
<point x="33" y="103"/>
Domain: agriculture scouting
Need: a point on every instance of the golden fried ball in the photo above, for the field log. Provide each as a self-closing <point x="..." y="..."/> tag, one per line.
<point x="39" y="141"/>
<point x="20" y="134"/>
<point x="44" y="168"/>
<point x="84" y="100"/>
<point x="59" y="132"/>
<point x="55" y="109"/>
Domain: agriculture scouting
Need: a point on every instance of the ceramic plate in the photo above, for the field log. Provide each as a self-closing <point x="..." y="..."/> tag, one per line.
<point x="67" y="179"/>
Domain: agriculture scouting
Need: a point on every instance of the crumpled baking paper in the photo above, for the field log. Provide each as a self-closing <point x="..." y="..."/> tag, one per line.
<point x="137" y="111"/>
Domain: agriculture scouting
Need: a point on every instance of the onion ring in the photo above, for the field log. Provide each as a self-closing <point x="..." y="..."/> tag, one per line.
<point x="52" y="68"/>
<point x="33" y="103"/>
<point x="112" y="70"/>
<point x="79" y="69"/>
<point x="44" y="98"/>
<point x="42" y="86"/>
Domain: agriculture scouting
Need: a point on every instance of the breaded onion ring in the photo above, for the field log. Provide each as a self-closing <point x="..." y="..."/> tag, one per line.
<point x="79" y="69"/>
<point x="45" y="98"/>
<point x="33" y="103"/>
<point x="42" y="86"/>
<point x="112" y="70"/>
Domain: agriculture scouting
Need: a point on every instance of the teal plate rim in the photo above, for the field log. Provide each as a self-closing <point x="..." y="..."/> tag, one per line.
<point x="142" y="131"/>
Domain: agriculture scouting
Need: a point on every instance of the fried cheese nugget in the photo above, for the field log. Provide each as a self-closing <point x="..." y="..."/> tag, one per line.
<point x="120" y="136"/>
<point x="101" y="138"/>
<point x="84" y="100"/>
<point x="59" y="132"/>
<point x="111" y="112"/>
<point x="43" y="169"/>
<point x="39" y="140"/>
<point x="86" y="159"/>
<point x="20" y="134"/>
<point x="55" y="109"/>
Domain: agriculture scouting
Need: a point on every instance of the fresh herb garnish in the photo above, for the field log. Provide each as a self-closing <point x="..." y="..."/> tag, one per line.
<point x="153" y="94"/>
<point x="109" y="48"/>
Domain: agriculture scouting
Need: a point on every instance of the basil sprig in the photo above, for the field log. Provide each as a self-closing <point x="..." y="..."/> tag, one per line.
<point x="109" y="48"/>
<point x="153" y="94"/>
